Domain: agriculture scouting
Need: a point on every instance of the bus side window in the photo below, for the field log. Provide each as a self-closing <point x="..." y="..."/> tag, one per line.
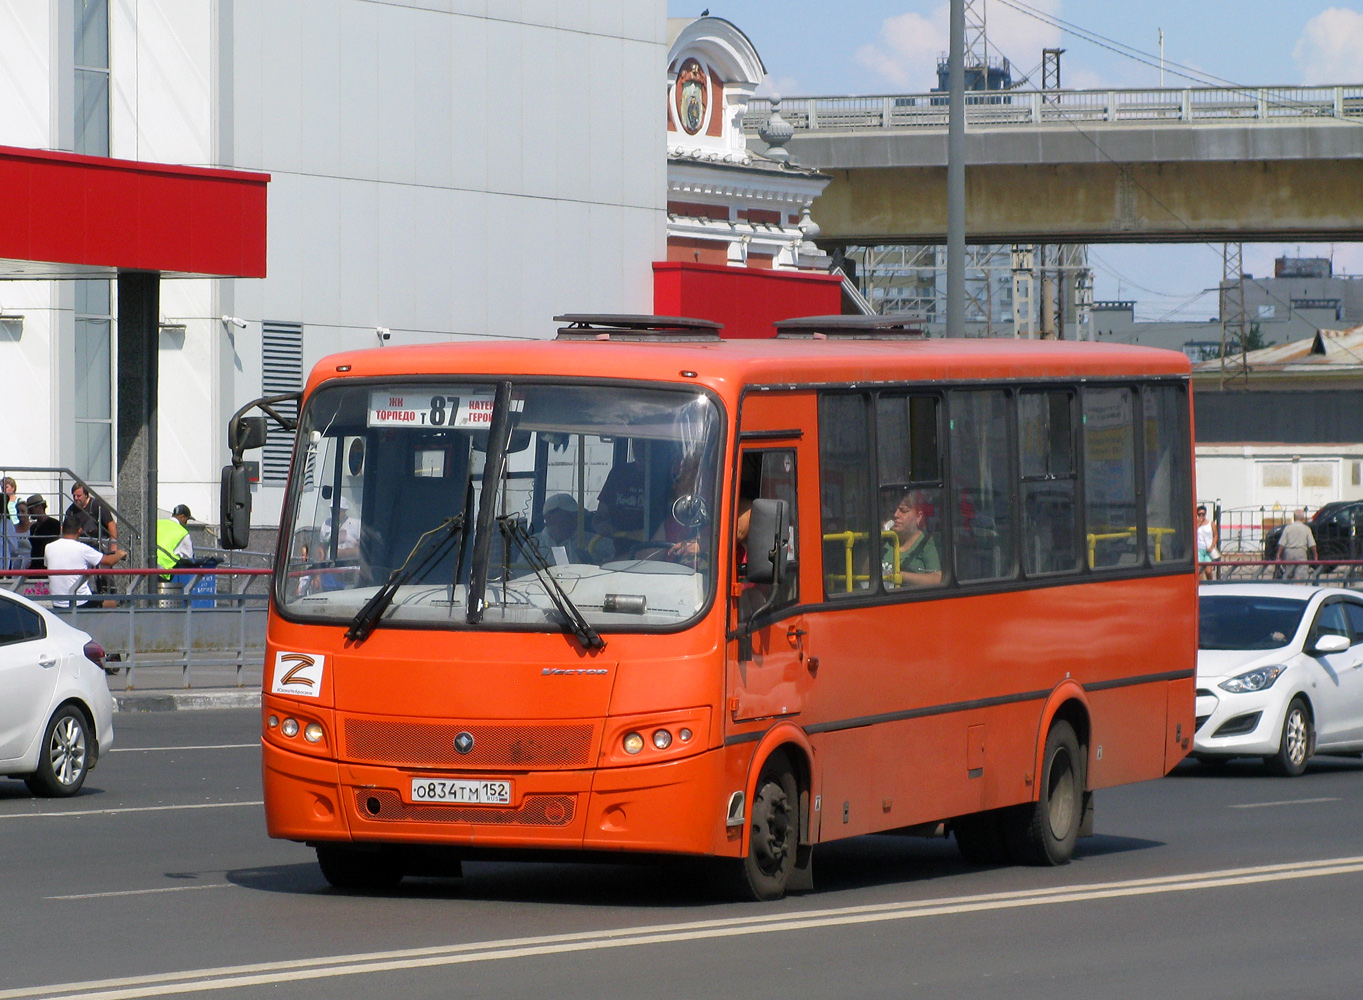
<point x="1110" y="478"/>
<point x="1168" y="493"/>
<point x="1046" y="453"/>
<point x="982" y="507"/>
<point x="845" y="494"/>
<point x="909" y="463"/>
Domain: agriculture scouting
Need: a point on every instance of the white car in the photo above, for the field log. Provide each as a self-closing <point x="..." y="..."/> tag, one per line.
<point x="1279" y="673"/>
<point x="56" y="713"/>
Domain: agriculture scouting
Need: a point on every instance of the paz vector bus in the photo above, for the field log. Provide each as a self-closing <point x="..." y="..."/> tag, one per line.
<point x="643" y="589"/>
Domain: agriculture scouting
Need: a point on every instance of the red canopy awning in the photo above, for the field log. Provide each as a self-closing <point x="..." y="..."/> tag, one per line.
<point x="63" y="215"/>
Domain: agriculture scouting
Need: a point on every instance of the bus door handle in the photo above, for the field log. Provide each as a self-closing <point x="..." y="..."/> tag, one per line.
<point x="796" y="636"/>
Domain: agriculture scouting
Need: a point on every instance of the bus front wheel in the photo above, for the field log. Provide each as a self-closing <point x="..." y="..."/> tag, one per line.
<point x="349" y="868"/>
<point x="773" y="838"/>
<point x="1044" y="832"/>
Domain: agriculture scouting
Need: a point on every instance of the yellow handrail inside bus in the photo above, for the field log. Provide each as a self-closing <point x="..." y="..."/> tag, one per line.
<point x="849" y="539"/>
<point x="1107" y="536"/>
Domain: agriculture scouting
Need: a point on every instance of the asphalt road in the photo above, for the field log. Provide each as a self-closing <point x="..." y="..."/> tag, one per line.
<point x="159" y="880"/>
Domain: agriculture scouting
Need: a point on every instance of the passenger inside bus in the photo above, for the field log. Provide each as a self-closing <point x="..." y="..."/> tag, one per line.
<point x="910" y="558"/>
<point x="557" y="540"/>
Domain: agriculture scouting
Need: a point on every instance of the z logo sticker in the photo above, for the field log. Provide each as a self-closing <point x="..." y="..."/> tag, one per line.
<point x="298" y="674"/>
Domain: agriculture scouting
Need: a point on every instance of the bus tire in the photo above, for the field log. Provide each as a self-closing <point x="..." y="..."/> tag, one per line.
<point x="980" y="838"/>
<point x="347" y="868"/>
<point x="773" y="838"/>
<point x="1044" y="832"/>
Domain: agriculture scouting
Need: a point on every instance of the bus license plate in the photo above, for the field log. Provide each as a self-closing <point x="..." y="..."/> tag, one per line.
<point x="483" y="793"/>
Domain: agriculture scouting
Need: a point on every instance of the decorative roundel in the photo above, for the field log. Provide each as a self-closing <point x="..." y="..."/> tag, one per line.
<point x="692" y="96"/>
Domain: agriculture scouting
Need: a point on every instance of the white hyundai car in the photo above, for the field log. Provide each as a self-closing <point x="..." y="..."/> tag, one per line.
<point x="1279" y="673"/>
<point x="56" y="713"/>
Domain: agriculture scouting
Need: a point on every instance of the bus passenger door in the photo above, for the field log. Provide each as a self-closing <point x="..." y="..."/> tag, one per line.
<point x="771" y="676"/>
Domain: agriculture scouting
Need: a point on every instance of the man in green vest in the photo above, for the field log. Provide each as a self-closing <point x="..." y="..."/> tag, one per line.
<point x="173" y="543"/>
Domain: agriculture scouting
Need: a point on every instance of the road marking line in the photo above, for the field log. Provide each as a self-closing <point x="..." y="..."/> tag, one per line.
<point x="271" y="973"/>
<point x="212" y="746"/>
<point x="1283" y="802"/>
<point x="143" y="892"/>
<point x="131" y="809"/>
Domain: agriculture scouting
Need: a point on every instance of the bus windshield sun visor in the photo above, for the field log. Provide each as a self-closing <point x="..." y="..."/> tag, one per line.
<point x="513" y="528"/>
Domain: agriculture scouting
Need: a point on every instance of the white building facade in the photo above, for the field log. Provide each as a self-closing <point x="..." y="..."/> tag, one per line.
<point x="440" y="170"/>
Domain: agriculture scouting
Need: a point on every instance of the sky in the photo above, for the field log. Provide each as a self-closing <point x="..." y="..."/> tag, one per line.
<point x="891" y="46"/>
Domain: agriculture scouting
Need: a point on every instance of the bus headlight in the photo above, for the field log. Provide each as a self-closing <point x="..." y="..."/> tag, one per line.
<point x="633" y="743"/>
<point x="313" y="732"/>
<point x="290" y="727"/>
<point x="662" y="739"/>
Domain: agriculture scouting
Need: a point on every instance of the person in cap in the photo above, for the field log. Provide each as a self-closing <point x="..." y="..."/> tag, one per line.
<point x="557" y="540"/>
<point x="44" y="529"/>
<point x="174" y="547"/>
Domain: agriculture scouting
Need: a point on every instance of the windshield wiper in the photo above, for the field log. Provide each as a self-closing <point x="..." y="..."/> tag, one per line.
<point x="368" y="616"/>
<point x="494" y="470"/>
<point x="514" y="529"/>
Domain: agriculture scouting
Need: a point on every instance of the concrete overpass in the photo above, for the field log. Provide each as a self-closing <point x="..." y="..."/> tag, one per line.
<point x="1125" y="166"/>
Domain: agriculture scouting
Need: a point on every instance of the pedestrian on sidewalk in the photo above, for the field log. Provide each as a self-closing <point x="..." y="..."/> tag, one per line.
<point x="69" y="552"/>
<point x="1295" y="545"/>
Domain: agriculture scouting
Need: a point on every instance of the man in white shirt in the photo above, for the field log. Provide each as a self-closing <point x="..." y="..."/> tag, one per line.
<point x="68" y="552"/>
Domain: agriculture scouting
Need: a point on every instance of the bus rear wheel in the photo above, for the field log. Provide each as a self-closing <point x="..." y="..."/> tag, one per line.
<point x="1044" y="832"/>
<point x="773" y="838"/>
<point x="350" y="868"/>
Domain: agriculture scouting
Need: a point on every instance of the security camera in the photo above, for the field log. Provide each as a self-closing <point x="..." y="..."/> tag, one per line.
<point x="383" y="334"/>
<point x="236" y="321"/>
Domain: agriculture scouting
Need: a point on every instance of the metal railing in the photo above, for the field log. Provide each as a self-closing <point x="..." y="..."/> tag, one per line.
<point x="1332" y="572"/>
<point x="1194" y="105"/>
<point x="171" y="632"/>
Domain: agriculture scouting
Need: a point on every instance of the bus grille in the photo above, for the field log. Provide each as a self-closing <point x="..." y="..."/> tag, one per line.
<point x="534" y="810"/>
<point x="419" y="744"/>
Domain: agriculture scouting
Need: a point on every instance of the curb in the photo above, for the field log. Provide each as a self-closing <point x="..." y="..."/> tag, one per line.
<point x="176" y="701"/>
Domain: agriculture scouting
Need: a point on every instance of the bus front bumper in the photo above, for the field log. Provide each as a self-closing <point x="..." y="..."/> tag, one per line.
<point x="676" y="807"/>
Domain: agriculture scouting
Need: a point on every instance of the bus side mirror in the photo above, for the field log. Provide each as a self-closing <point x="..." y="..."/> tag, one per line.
<point x="235" y="512"/>
<point x="767" y="530"/>
<point x="247" y="432"/>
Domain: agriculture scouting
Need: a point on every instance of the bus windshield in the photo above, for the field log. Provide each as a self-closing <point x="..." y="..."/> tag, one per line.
<point x="612" y="488"/>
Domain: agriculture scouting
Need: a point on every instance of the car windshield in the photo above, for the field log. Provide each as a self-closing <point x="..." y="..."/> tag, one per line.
<point x="1237" y="621"/>
<point x="613" y="485"/>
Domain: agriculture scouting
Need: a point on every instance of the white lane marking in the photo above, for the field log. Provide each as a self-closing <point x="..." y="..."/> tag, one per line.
<point x="132" y="809"/>
<point x="209" y="746"/>
<point x="1283" y="802"/>
<point x="143" y="892"/>
<point x="269" y="973"/>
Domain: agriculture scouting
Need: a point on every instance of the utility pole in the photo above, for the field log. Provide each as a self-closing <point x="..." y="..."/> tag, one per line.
<point x="1233" y="314"/>
<point x="956" y="175"/>
<point x="1161" y="58"/>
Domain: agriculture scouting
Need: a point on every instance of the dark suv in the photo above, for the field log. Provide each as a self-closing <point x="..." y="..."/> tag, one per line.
<point x="1338" y="528"/>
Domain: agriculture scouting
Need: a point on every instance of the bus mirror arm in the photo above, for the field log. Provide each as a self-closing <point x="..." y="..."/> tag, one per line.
<point x="243" y="432"/>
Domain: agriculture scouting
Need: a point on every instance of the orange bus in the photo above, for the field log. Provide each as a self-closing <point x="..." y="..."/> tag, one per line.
<point x="641" y="589"/>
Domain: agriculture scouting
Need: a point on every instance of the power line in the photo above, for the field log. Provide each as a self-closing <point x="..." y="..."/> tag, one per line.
<point x="1145" y="58"/>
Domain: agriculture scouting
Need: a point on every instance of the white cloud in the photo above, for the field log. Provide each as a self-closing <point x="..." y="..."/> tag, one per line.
<point x="783" y="85"/>
<point x="906" y="53"/>
<point x="1330" y="49"/>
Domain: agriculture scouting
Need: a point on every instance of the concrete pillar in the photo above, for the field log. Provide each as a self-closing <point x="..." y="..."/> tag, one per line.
<point x="139" y="327"/>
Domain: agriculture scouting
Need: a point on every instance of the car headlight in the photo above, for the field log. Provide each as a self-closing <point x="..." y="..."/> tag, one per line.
<point x="1252" y="680"/>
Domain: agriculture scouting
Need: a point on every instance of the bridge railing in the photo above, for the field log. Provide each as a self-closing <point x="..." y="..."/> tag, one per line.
<point x="1035" y="107"/>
